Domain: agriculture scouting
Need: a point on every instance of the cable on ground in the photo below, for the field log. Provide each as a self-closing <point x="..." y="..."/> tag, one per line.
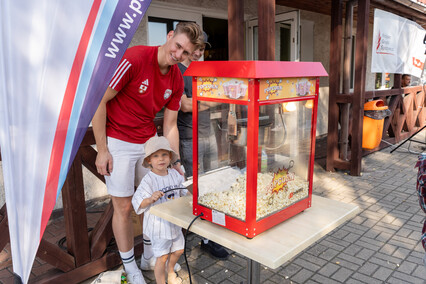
<point x="184" y="247"/>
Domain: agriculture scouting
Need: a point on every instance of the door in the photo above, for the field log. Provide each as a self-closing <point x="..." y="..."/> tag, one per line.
<point x="286" y="37"/>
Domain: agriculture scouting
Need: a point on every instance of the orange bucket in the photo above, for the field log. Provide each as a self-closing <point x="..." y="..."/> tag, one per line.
<point x="372" y="129"/>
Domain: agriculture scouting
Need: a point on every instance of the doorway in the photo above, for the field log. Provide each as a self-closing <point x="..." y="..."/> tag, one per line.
<point x="217" y="31"/>
<point x="286" y="37"/>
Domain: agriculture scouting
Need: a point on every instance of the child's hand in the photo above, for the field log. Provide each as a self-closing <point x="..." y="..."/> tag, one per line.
<point x="156" y="195"/>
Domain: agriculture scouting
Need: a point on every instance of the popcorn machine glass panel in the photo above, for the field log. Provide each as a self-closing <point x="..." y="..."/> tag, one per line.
<point x="283" y="172"/>
<point x="284" y="152"/>
<point x="221" y="175"/>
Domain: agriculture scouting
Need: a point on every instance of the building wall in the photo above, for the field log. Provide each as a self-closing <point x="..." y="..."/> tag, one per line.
<point x="320" y="51"/>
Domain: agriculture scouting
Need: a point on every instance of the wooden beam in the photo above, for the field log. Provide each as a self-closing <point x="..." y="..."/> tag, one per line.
<point x="266" y="34"/>
<point x="4" y="228"/>
<point x="88" y="158"/>
<point x="397" y="81"/>
<point x="348" y="46"/>
<point x="236" y="29"/>
<point x="342" y="164"/>
<point x="89" y="138"/>
<point x="344" y="98"/>
<point x="359" y="89"/>
<point x="420" y="101"/>
<point x="322" y="7"/>
<point x="393" y="103"/>
<point x="344" y="109"/>
<point x="75" y="213"/>
<point x="102" y="234"/>
<point x="55" y="256"/>
<point x="334" y="86"/>
<point x="108" y="261"/>
<point x="382" y="93"/>
<point x="408" y="110"/>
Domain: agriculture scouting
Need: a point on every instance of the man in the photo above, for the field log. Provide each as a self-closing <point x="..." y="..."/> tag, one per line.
<point x="146" y="80"/>
<point x="207" y="145"/>
<point x="406" y="80"/>
<point x="206" y="150"/>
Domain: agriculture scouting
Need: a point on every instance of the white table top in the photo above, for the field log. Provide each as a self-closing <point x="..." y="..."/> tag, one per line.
<point x="275" y="246"/>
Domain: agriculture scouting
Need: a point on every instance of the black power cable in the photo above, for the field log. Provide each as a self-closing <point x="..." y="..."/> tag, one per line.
<point x="171" y="189"/>
<point x="184" y="247"/>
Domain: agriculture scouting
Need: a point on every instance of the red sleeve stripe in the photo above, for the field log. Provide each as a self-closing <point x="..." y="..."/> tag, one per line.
<point x="119" y="72"/>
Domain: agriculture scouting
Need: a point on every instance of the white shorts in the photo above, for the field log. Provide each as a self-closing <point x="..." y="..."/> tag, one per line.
<point x="162" y="246"/>
<point x="127" y="170"/>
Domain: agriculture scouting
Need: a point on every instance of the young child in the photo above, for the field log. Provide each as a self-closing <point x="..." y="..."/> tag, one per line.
<point x="157" y="187"/>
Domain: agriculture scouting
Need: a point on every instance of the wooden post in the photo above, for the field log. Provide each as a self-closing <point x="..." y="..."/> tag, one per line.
<point x="334" y="89"/>
<point x="75" y="213"/>
<point x="4" y="228"/>
<point x="236" y="29"/>
<point x="397" y="81"/>
<point x="266" y="39"/>
<point x="344" y="118"/>
<point x="359" y="89"/>
<point x="266" y="34"/>
<point x="236" y="52"/>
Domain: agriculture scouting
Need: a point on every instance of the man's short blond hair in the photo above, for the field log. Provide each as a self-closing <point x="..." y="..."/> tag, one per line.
<point x="193" y="31"/>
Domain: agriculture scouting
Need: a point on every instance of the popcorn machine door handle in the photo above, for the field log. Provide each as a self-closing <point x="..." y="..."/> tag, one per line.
<point x="290" y="164"/>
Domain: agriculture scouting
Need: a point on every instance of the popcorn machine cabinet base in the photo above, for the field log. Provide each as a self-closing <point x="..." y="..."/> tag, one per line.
<point x="254" y="126"/>
<point x="245" y="229"/>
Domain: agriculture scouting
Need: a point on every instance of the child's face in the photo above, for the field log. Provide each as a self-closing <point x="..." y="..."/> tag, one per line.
<point x="160" y="160"/>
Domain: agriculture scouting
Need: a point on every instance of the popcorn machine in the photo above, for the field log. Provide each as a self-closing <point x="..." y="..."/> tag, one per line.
<point x="253" y="141"/>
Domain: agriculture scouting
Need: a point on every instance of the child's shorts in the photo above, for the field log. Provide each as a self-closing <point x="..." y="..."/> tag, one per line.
<point x="162" y="246"/>
<point x="127" y="170"/>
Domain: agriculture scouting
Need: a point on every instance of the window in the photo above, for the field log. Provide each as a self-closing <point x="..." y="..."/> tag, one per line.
<point x="383" y="81"/>
<point x="158" y="29"/>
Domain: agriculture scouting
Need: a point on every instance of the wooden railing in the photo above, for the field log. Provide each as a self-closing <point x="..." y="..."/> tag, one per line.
<point x="408" y="116"/>
<point x="408" y="113"/>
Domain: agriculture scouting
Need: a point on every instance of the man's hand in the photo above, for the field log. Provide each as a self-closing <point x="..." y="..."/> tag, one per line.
<point x="186" y="104"/>
<point x="178" y="167"/>
<point x="103" y="159"/>
<point x="104" y="163"/>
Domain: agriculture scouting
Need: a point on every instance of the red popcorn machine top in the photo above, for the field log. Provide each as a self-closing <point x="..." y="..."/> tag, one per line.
<point x="253" y="141"/>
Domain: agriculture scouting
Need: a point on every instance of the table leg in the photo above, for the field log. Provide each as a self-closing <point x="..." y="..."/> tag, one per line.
<point x="253" y="272"/>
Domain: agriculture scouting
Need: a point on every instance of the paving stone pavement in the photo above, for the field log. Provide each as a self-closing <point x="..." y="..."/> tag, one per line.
<point x="380" y="245"/>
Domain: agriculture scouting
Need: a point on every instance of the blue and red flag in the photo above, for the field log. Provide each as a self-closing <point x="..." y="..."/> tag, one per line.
<point x="56" y="60"/>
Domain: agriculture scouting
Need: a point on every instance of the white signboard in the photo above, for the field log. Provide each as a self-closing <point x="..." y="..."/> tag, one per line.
<point x="398" y="45"/>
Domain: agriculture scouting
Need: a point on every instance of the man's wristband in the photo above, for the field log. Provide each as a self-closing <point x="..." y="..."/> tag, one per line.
<point x="177" y="161"/>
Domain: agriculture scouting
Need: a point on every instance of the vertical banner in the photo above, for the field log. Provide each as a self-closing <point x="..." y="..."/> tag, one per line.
<point x="398" y="45"/>
<point x="57" y="58"/>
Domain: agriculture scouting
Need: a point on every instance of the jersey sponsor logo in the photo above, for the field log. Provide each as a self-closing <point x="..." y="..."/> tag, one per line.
<point x="167" y="94"/>
<point x="144" y="86"/>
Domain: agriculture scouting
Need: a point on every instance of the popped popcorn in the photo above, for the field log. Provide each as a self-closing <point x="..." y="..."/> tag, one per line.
<point x="233" y="201"/>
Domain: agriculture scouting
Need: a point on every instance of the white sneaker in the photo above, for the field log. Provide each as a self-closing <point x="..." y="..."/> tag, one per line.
<point x="135" y="278"/>
<point x="177" y="267"/>
<point x="149" y="264"/>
